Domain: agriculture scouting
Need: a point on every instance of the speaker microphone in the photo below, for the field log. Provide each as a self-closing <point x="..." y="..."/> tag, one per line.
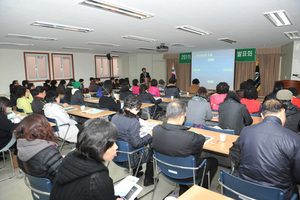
<point x="108" y="56"/>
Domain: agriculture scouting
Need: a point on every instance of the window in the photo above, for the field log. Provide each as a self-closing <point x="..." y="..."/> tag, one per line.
<point x="62" y="66"/>
<point x="106" y="68"/>
<point x="37" y="66"/>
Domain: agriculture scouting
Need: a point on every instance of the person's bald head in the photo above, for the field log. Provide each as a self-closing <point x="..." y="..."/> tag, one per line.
<point x="176" y="109"/>
<point x="273" y="107"/>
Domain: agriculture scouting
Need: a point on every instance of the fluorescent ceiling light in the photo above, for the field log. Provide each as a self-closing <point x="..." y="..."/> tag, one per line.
<point x="16" y="44"/>
<point x="278" y="18"/>
<point x="292" y="35"/>
<point x="102" y="44"/>
<point x="77" y="48"/>
<point x="132" y="37"/>
<point x="180" y="45"/>
<point x="108" y="6"/>
<point x="146" y="49"/>
<point x="230" y="41"/>
<point x="62" y="27"/>
<point x="31" y="37"/>
<point x="119" y="51"/>
<point x="193" y="29"/>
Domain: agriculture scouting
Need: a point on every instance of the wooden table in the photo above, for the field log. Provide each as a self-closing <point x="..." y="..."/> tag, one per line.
<point x="167" y="99"/>
<point x="215" y="144"/>
<point x="187" y="95"/>
<point x="196" y="192"/>
<point x="256" y="120"/>
<point x="79" y="113"/>
<point x="24" y="114"/>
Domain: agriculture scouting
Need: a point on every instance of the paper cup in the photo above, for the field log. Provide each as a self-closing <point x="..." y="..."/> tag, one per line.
<point x="172" y="97"/>
<point x="82" y="108"/>
<point x="187" y="93"/>
<point x="222" y="137"/>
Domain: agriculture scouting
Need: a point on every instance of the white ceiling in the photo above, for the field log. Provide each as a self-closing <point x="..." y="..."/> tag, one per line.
<point x="236" y="19"/>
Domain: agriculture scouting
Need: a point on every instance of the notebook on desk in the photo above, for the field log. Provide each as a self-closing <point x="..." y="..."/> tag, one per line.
<point x="69" y="108"/>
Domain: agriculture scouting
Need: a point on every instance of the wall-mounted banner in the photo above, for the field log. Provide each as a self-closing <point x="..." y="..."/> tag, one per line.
<point x="185" y="58"/>
<point x="245" y="55"/>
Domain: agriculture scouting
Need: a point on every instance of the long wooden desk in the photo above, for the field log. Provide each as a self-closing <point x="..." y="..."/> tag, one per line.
<point x="196" y="192"/>
<point x="215" y="144"/>
<point x="79" y="113"/>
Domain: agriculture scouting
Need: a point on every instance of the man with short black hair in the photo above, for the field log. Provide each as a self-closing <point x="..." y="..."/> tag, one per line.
<point x="144" y="75"/>
<point x="39" y="101"/>
<point x="173" y="139"/>
<point x="270" y="153"/>
<point x="171" y="89"/>
<point x="195" y="87"/>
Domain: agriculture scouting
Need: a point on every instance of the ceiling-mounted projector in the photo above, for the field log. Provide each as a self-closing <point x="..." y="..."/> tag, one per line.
<point x="162" y="48"/>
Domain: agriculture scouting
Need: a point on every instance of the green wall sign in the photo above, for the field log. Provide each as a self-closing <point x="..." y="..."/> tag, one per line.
<point x="185" y="57"/>
<point x="245" y="55"/>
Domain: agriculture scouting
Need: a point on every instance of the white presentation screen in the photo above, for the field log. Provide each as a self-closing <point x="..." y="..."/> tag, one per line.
<point x="212" y="67"/>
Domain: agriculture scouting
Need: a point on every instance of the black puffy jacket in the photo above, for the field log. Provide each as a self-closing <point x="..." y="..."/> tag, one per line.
<point x="270" y="155"/>
<point x="292" y="118"/>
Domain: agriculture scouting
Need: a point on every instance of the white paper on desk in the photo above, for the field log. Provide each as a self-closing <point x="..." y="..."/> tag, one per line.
<point x="145" y="127"/>
<point x="122" y="188"/>
<point x="207" y="138"/>
<point x="156" y="98"/>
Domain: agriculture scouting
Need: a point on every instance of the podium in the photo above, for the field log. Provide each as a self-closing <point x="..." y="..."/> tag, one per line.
<point x="147" y="81"/>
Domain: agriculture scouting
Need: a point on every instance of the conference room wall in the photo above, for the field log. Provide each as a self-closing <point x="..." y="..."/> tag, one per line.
<point x="290" y="61"/>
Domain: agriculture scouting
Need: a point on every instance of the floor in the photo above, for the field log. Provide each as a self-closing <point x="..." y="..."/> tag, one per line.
<point x="15" y="188"/>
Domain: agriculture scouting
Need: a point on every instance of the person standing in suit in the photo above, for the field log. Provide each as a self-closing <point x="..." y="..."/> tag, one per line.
<point x="144" y="75"/>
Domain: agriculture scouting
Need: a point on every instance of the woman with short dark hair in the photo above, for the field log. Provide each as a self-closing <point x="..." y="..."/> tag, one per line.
<point x="61" y="88"/>
<point x="36" y="143"/>
<point x="215" y="99"/>
<point x="154" y="89"/>
<point x="250" y="95"/>
<point x="233" y="114"/>
<point x="127" y="122"/>
<point x="106" y="101"/>
<point x="124" y="91"/>
<point x="198" y="108"/>
<point x="82" y="174"/>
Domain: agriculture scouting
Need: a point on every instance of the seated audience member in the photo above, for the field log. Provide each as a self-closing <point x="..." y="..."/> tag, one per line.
<point x="24" y="99"/>
<point x="77" y="95"/>
<point x="106" y="101"/>
<point x="295" y="100"/>
<point x="195" y="87"/>
<point x="68" y="92"/>
<point x="121" y="80"/>
<point x="112" y="80"/>
<point x="161" y="86"/>
<point x="53" y="109"/>
<point x="37" y="147"/>
<point x="198" y="108"/>
<point x="96" y="85"/>
<point x="47" y="85"/>
<point x="82" y="173"/>
<point x="233" y="114"/>
<point x="31" y="88"/>
<point x="117" y="83"/>
<point x="99" y="92"/>
<point x="215" y="99"/>
<point x="145" y="96"/>
<point x="154" y="89"/>
<point x="270" y="153"/>
<point x="92" y="82"/>
<point x="13" y="92"/>
<point x="173" y="139"/>
<point x="39" y="101"/>
<point x="7" y="126"/>
<point x="292" y="112"/>
<point x="61" y="88"/>
<point x="250" y="95"/>
<point x="53" y="85"/>
<point x="277" y="86"/>
<point x="135" y="89"/>
<point x="171" y="89"/>
<point x="124" y="91"/>
<point x="25" y="84"/>
<point x="241" y="91"/>
<point x="82" y="83"/>
<point x="127" y="122"/>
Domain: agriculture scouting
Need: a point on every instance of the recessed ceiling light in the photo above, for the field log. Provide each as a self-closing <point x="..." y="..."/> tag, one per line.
<point x="77" y="48"/>
<point x="146" y="49"/>
<point x="102" y="44"/>
<point x="230" y="41"/>
<point x="293" y="35"/>
<point x="16" y="44"/>
<point x="180" y="45"/>
<point x="278" y="18"/>
<point x="132" y="37"/>
<point x="193" y="29"/>
<point x="119" y="51"/>
<point x="31" y="37"/>
<point x="62" y="27"/>
<point x="108" y="6"/>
